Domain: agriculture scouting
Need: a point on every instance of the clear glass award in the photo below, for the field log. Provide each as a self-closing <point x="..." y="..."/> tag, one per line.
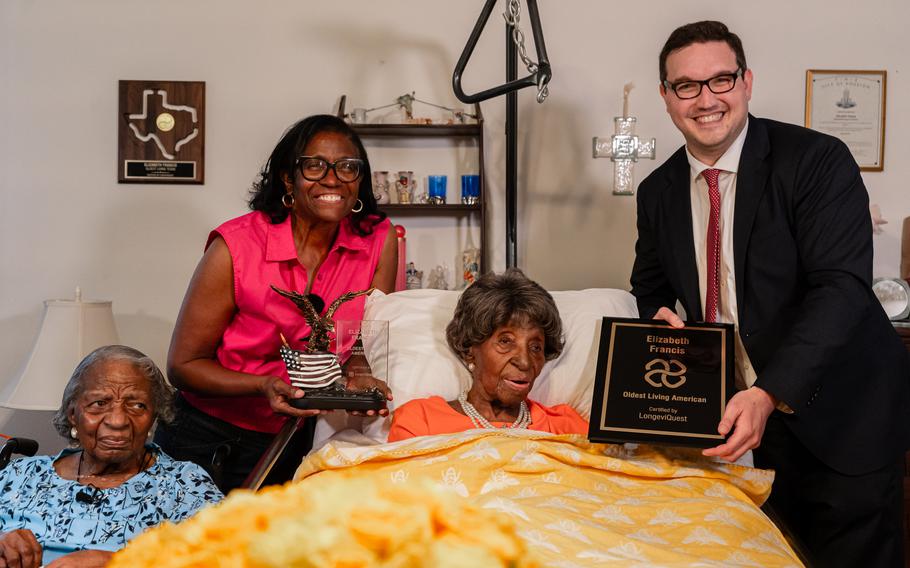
<point x="364" y="346"/>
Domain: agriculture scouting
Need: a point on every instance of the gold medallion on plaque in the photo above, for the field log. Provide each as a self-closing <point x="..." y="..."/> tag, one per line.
<point x="165" y="122"/>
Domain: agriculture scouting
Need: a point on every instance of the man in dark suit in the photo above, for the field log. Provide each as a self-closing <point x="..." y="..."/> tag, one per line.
<point x="766" y="225"/>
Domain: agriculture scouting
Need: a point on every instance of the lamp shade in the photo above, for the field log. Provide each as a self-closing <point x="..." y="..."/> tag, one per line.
<point x="71" y="329"/>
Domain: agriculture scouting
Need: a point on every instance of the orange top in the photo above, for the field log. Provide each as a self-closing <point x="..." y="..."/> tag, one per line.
<point x="433" y="415"/>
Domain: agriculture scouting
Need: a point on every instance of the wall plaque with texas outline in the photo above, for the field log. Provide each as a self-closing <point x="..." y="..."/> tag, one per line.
<point x="161" y="132"/>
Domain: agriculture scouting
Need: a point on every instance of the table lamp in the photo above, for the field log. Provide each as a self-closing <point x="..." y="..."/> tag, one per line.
<point x="71" y="329"/>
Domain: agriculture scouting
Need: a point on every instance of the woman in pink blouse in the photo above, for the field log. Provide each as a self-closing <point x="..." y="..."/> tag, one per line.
<point x="315" y="229"/>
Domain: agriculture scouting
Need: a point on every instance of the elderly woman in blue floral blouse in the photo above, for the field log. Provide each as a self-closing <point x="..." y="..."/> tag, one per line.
<point x="79" y="507"/>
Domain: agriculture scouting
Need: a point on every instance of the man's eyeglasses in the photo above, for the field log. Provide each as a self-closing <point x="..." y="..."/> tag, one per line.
<point x="717" y="85"/>
<point x="314" y="169"/>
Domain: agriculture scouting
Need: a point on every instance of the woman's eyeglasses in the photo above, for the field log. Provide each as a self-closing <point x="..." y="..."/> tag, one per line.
<point x="719" y="84"/>
<point x="314" y="169"/>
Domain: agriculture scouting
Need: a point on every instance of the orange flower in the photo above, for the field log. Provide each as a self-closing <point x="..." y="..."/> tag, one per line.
<point x="329" y="522"/>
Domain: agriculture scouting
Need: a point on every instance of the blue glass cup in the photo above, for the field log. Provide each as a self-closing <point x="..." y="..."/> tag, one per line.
<point x="436" y="189"/>
<point x="470" y="189"/>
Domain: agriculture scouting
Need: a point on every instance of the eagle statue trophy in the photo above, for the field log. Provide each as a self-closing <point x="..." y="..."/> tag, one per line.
<point x="314" y="368"/>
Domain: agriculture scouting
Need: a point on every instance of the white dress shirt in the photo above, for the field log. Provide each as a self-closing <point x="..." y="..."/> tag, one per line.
<point x="701" y="209"/>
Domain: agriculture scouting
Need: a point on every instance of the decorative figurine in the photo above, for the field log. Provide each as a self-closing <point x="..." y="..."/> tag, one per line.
<point x="437" y="279"/>
<point x="413" y="277"/>
<point x="470" y="261"/>
<point x="381" y="187"/>
<point x="405" y="104"/>
<point x="315" y="369"/>
<point x="405" y="186"/>
<point x="418" y="195"/>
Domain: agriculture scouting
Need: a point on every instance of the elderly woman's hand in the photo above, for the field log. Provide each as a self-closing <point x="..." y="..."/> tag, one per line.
<point x="358" y="382"/>
<point x="83" y="559"/>
<point x="279" y="395"/>
<point x="19" y="549"/>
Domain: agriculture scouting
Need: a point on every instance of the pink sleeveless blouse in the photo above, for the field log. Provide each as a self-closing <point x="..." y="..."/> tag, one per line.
<point x="264" y="254"/>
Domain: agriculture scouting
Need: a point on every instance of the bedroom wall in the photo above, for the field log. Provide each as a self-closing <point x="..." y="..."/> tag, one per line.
<point x="64" y="221"/>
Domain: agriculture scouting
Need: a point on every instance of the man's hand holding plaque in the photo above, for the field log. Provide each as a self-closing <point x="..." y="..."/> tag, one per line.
<point x="745" y="415"/>
<point x="317" y="372"/>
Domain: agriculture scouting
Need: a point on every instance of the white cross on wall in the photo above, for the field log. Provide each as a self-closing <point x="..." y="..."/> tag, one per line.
<point x="624" y="148"/>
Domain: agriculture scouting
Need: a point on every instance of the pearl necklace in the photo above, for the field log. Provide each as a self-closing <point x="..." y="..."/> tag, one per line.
<point x="477" y="419"/>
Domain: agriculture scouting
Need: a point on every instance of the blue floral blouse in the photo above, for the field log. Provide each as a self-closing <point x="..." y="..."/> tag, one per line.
<point x="34" y="497"/>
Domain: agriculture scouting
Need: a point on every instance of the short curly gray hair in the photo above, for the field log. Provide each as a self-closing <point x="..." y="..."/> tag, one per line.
<point x="162" y="392"/>
<point x="495" y="300"/>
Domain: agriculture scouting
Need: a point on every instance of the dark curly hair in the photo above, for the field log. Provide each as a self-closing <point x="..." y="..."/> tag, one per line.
<point x="495" y="300"/>
<point x="268" y="190"/>
<point x="701" y="32"/>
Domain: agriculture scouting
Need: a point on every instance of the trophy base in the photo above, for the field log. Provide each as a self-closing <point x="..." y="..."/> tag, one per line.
<point x="337" y="398"/>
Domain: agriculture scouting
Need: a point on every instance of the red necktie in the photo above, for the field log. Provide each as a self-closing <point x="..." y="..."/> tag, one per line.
<point x="712" y="245"/>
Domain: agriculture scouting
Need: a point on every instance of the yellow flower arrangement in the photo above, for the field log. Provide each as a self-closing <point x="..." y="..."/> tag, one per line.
<point x="334" y="523"/>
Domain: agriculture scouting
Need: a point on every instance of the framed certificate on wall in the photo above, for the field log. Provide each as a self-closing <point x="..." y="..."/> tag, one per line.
<point x="851" y="106"/>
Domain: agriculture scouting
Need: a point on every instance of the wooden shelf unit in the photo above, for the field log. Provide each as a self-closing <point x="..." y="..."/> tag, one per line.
<point x="452" y="131"/>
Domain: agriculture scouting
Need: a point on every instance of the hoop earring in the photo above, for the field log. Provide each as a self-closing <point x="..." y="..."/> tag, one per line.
<point x="74" y="433"/>
<point x="287" y="203"/>
<point x="359" y="207"/>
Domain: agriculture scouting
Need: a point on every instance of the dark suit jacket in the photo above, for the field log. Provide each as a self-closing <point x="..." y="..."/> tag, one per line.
<point x="802" y="241"/>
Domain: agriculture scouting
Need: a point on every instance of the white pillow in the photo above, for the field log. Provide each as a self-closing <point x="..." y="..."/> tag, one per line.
<point x="569" y="379"/>
<point x="421" y="363"/>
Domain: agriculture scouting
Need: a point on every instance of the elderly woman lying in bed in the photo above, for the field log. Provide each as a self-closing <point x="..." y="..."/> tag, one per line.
<point x="504" y="329"/>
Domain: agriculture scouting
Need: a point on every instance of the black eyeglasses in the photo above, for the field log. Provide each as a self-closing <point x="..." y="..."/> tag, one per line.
<point x="718" y="84"/>
<point x="314" y="169"/>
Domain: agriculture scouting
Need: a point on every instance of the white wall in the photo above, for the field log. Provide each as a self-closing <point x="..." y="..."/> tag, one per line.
<point x="64" y="221"/>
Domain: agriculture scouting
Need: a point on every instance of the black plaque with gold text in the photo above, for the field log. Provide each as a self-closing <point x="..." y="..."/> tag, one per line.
<point x="161" y="132"/>
<point x="661" y="385"/>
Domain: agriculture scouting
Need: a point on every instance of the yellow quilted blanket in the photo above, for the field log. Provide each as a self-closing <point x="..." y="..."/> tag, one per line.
<point x="577" y="503"/>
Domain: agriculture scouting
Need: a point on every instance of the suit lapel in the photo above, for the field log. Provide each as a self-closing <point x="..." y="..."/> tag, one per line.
<point x="679" y="214"/>
<point x="751" y="181"/>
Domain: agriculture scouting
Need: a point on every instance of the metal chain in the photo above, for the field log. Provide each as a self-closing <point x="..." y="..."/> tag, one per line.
<point x="512" y="16"/>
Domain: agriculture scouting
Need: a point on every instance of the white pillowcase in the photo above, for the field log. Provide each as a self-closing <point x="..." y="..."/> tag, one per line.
<point x="421" y="363"/>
